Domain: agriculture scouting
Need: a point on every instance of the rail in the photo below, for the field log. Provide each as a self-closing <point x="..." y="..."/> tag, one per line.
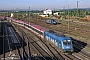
<point x="25" y="35"/>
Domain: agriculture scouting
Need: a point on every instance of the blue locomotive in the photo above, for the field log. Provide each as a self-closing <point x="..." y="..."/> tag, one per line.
<point x="51" y="21"/>
<point x="62" y="41"/>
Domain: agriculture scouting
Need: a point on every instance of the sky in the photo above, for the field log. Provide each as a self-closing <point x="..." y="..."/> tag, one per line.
<point x="42" y="4"/>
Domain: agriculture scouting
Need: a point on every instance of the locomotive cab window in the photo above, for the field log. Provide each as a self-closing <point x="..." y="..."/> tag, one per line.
<point x="66" y="42"/>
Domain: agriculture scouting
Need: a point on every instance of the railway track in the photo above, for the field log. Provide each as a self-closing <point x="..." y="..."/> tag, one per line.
<point x="56" y="54"/>
<point x="28" y="47"/>
<point x="45" y="45"/>
<point x="3" y="34"/>
<point x="11" y="54"/>
<point x="81" y="54"/>
<point x="25" y="55"/>
<point x="41" y="51"/>
<point x="13" y="49"/>
<point x="76" y="56"/>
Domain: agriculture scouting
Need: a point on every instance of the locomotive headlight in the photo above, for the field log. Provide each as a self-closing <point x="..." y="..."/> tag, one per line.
<point x="65" y="40"/>
<point x="68" y="40"/>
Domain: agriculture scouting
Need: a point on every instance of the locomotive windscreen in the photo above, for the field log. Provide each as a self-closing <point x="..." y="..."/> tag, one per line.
<point x="66" y="42"/>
